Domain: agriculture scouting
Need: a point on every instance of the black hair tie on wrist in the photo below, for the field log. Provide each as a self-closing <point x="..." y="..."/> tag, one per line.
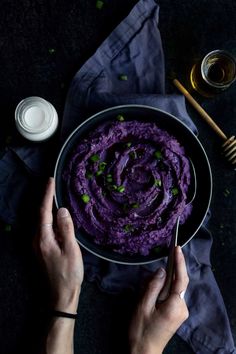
<point x="64" y="314"/>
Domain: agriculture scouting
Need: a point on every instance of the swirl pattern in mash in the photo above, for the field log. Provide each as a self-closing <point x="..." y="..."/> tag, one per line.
<point x="127" y="183"/>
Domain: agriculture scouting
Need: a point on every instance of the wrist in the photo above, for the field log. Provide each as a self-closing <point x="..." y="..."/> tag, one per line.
<point x="56" y="313"/>
<point x="67" y="302"/>
<point x="147" y="349"/>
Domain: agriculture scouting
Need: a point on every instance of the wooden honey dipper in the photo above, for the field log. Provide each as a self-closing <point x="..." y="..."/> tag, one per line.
<point x="229" y="145"/>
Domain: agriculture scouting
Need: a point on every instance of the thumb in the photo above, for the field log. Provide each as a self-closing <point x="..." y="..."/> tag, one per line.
<point x="153" y="290"/>
<point x="65" y="226"/>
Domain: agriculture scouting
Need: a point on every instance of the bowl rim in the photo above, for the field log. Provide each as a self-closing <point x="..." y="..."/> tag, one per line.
<point x="150" y="108"/>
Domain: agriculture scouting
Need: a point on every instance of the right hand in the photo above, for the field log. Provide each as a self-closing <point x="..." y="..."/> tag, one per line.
<point x="60" y="254"/>
<point x="154" y="324"/>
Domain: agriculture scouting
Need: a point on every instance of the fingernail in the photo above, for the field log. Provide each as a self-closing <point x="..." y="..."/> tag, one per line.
<point x="179" y="249"/>
<point x="161" y="273"/>
<point x="63" y="213"/>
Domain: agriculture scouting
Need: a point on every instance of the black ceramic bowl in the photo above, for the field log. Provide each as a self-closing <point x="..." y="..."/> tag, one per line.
<point x="194" y="150"/>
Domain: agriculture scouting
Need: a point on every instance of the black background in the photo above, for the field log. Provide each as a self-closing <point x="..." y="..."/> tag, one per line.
<point x="42" y="45"/>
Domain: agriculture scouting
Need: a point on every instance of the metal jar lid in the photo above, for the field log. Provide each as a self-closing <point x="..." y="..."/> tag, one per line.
<point x="36" y="119"/>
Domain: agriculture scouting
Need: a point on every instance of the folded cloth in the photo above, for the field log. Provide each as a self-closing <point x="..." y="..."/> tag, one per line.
<point x="134" y="49"/>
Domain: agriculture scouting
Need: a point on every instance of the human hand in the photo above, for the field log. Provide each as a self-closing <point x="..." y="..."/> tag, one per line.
<point x="60" y="254"/>
<point x="155" y="323"/>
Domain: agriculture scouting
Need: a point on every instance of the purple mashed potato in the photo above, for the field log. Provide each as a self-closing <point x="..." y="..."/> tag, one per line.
<point x="127" y="184"/>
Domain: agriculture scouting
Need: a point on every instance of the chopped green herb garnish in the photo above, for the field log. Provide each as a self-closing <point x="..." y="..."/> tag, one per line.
<point x="123" y="77"/>
<point x="128" y="144"/>
<point x="135" y="205"/>
<point x="174" y="191"/>
<point x="120" y="189"/>
<point x="85" y="198"/>
<point x="133" y="155"/>
<point x="7" y="228"/>
<point x="128" y="228"/>
<point x="109" y="179"/>
<point x="89" y="175"/>
<point x="102" y="166"/>
<point x="158" y="154"/>
<point x="109" y="175"/>
<point x="120" y="118"/>
<point x="99" y="4"/>
<point x="95" y="158"/>
<point x="51" y="50"/>
<point x="157" y="183"/>
<point x="114" y="187"/>
<point x="99" y="173"/>
<point x="226" y="192"/>
<point x="157" y="249"/>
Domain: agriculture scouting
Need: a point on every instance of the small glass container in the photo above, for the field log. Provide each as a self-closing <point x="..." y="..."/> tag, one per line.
<point x="36" y="119"/>
<point x="214" y="73"/>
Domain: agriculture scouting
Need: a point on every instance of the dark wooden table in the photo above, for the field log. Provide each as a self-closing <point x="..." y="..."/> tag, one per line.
<point x="43" y="43"/>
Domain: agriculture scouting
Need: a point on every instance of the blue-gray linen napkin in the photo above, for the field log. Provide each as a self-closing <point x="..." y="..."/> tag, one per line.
<point x="134" y="48"/>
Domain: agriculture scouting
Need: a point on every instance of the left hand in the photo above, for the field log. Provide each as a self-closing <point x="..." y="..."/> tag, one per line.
<point x="60" y="254"/>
